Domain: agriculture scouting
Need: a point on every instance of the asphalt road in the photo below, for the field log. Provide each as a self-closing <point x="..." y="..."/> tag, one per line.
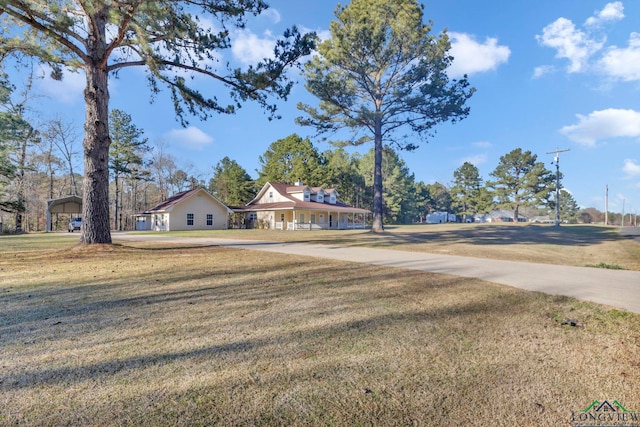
<point x="616" y="288"/>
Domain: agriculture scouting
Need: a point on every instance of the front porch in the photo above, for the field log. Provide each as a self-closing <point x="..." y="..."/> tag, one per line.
<point x="314" y="220"/>
<point x="294" y="225"/>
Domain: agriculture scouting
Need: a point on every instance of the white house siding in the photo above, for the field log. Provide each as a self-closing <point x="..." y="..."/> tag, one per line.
<point x="199" y="205"/>
<point x="160" y="222"/>
<point x="277" y="197"/>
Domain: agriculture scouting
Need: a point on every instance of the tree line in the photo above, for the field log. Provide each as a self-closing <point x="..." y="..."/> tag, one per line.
<point x="37" y="165"/>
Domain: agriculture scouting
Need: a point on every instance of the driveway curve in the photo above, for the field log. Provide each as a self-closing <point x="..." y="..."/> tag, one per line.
<point x="616" y="288"/>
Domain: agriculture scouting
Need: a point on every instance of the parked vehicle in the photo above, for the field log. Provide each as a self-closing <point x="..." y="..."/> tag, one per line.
<point x="74" y="224"/>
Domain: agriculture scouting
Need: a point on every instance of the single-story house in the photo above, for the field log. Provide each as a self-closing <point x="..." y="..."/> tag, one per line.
<point x="189" y="210"/>
<point x="301" y="207"/>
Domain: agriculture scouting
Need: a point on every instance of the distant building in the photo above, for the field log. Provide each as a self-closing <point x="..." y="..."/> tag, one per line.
<point x="441" y="217"/>
<point x="498" y="215"/>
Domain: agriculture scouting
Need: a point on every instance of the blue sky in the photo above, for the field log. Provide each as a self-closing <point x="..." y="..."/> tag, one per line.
<point x="549" y="74"/>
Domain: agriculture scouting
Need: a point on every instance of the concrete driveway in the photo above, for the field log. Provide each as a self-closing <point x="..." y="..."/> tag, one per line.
<point x="616" y="288"/>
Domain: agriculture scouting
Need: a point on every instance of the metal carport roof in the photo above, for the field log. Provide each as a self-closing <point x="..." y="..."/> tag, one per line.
<point x="69" y="204"/>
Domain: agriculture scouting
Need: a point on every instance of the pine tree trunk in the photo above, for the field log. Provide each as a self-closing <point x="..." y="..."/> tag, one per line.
<point x="377" y="225"/>
<point x="115" y="217"/>
<point x="95" y="199"/>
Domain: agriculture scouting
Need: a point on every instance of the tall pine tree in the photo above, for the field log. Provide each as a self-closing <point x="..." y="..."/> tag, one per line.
<point x="102" y="37"/>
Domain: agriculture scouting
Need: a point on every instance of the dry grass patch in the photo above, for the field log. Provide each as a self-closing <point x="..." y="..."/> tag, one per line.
<point x="159" y="335"/>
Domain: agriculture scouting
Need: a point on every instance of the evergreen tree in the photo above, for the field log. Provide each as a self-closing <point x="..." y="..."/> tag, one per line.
<point x="440" y="199"/>
<point x="231" y="183"/>
<point x="125" y="154"/>
<point x="422" y="198"/>
<point x="398" y="184"/>
<point x="569" y="209"/>
<point x="520" y="180"/>
<point x="379" y="74"/>
<point x="16" y="135"/>
<point x="291" y="159"/>
<point x="466" y="190"/>
<point x="341" y="173"/>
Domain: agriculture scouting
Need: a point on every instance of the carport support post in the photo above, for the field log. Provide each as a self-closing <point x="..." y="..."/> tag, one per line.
<point x="49" y="226"/>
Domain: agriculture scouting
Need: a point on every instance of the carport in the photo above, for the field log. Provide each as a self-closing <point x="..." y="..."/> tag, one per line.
<point x="69" y="204"/>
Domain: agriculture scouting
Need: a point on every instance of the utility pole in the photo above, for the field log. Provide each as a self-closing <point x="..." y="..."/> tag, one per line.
<point x="556" y="160"/>
<point x="606" y="205"/>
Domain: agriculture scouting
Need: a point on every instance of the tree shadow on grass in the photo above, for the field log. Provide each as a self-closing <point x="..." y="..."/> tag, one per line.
<point x="61" y="309"/>
<point x="38" y="376"/>
<point x="485" y="234"/>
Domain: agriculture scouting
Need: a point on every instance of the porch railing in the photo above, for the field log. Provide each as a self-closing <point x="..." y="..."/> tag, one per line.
<point x="322" y="226"/>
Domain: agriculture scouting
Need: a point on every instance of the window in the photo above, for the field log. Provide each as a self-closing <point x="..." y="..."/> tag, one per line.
<point x="209" y="220"/>
<point x="313" y="218"/>
<point x="270" y="195"/>
<point x="301" y="218"/>
<point x="253" y="216"/>
<point x="281" y="217"/>
<point x="320" y="198"/>
<point x="190" y="219"/>
<point x="332" y="199"/>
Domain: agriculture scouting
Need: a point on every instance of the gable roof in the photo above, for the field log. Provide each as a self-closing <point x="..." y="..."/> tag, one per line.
<point x="285" y="191"/>
<point x="167" y="205"/>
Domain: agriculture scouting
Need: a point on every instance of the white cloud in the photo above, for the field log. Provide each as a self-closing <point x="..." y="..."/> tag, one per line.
<point x="482" y="144"/>
<point x="191" y="137"/>
<point x="631" y="167"/>
<point x="475" y="160"/>
<point x="250" y="49"/>
<point x="69" y="90"/>
<point x="471" y="56"/>
<point x="543" y="70"/>
<point x="612" y="12"/>
<point x="623" y="63"/>
<point x="570" y="43"/>
<point x="272" y="14"/>
<point x="322" y="34"/>
<point x="599" y="125"/>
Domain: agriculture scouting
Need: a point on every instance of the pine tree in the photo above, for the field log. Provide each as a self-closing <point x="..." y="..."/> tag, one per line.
<point x="379" y="74"/>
